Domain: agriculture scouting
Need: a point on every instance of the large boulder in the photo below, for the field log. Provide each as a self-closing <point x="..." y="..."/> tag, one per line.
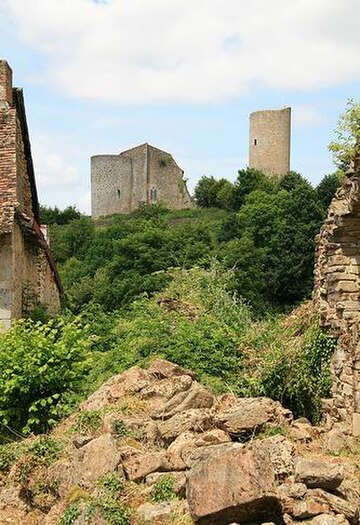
<point x="249" y="415"/>
<point x="161" y="369"/>
<point x="196" y="397"/>
<point x="166" y="388"/>
<point x="195" y="419"/>
<point x="281" y="453"/>
<point x="234" y="484"/>
<point x="84" y="466"/>
<point x="129" y="382"/>
<point x="316" y="473"/>
<point x="162" y="513"/>
<point x="137" y="467"/>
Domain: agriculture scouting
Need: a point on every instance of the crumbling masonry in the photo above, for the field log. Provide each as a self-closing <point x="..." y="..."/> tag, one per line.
<point x="28" y="275"/>
<point x="337" y="294"/>
<point x="140" y="175"/>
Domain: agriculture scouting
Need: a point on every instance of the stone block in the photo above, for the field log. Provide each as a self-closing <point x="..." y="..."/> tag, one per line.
<point x="356" y="424"/>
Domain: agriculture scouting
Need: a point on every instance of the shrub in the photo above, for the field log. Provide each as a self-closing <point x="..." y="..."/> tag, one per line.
<point x="70" y="516"/>
<point x="163" y="490"/>
<point x="42" y="367"/>
<point x="8" y="454"/>
<point x="45" y="449"/>
<point x="289" y="366"/>
<point x="88" y="421"/>
<point x="111" y="483"/>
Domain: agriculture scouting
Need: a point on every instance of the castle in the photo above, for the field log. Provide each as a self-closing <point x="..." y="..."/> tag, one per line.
<point x="140" y="175"/>
<point x="269" y="141"/>
<point x="148" y="175"/>
<point x="28" y="274"/>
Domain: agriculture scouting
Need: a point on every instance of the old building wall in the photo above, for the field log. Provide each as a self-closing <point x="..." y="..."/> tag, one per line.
<point x="47" y="290"/>
<point x="23" y="189"/>
<point x="6" y="280"/>
<point x="143" y="175"/>
<point x="111" y="185"/>
<point x="166" y="177"/>
<point x="139" y="181"/>
<point x="27" y="272"/>
<point x="269" y="141"/>
<point x="337" y="294"/>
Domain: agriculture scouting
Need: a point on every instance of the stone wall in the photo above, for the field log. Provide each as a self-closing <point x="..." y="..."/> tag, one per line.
<point x="139" y="162"/>
<point x="337" y="294"/>
<point x="111" y="185"/>
<point x="269" y="147"/>
<point x="28" y="275"/>
<point x="141" y="175"/>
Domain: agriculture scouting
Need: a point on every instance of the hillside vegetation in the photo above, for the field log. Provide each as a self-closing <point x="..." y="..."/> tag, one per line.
<point x="207" y="289"/>
<point x="263" y="229"/>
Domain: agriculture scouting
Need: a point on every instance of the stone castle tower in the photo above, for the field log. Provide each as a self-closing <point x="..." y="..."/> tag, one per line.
<point x="140" y="175"/>
<point x="269" y="148"/>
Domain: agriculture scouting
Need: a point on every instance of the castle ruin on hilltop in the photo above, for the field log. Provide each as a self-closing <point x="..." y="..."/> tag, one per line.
<point x="28" y="275"/>
<point x="147" y="175"/>
<point x="269" y="141"/>
<point x="140" y="175"/>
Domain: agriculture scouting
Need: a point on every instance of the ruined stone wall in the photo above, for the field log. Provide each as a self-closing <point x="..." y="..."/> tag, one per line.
<point x="6" y="279"/>
<point x="337" y="294"/>
<point x="23" y="189"/>
<point x="269" y="146"/>
<point x="167" y="178"/>
<point x="27" y="273"/>
<point x="111" y="185"/>
<point x="141" y="175"/>
<point x="139" y="181"/>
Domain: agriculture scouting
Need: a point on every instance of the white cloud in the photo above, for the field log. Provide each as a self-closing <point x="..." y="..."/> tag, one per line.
<point x="52" y="171"/>
<point x="141" y="51"/>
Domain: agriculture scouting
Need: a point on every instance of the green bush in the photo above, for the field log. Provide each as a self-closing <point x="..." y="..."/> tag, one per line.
<point x="293" y="369"/>
<point x="88" y="421"/>
<point x="163" y="490"/>
<point x="70" y="516"/>
<point x="42" y="368"/>
<point x="46" y="449"/>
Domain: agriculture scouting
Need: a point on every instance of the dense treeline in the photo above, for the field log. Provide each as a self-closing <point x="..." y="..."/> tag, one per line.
<point x="263" y="228"/>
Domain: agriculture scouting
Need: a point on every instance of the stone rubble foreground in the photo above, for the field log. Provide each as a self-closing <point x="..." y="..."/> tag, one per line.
<point x="227" y="459"/>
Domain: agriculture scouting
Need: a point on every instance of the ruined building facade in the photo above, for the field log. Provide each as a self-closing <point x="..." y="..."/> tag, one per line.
<point x="28" y="274"/>
<point x="140" y="175"/>
<point x="337" y="294"/>
<point x="269" y="145"/>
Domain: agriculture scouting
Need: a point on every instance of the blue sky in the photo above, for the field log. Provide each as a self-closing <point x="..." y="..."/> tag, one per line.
<point x="184" y="75"/>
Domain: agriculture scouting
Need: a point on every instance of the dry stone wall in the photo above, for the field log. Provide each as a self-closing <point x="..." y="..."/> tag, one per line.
<point x="337" y="294"/>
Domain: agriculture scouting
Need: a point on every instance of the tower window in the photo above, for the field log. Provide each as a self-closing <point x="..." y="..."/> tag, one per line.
<point x="118" y="194"/>
<point x="255" y="142"/>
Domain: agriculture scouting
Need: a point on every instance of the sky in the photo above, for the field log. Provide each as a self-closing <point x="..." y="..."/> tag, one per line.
<point x="101" y="76"/>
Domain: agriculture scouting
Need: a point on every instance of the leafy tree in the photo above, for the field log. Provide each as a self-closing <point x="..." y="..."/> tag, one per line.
<point x="49" y="215"/>
<point x="249" y="180"/>
<point x="212" y="193"/>
<point x="327" y="187"/>
<point x="292" y="180"/>
<point x="347" y="143"/>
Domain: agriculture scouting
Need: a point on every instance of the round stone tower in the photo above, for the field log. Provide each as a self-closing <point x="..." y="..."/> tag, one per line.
<point x="269" y="148"/>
